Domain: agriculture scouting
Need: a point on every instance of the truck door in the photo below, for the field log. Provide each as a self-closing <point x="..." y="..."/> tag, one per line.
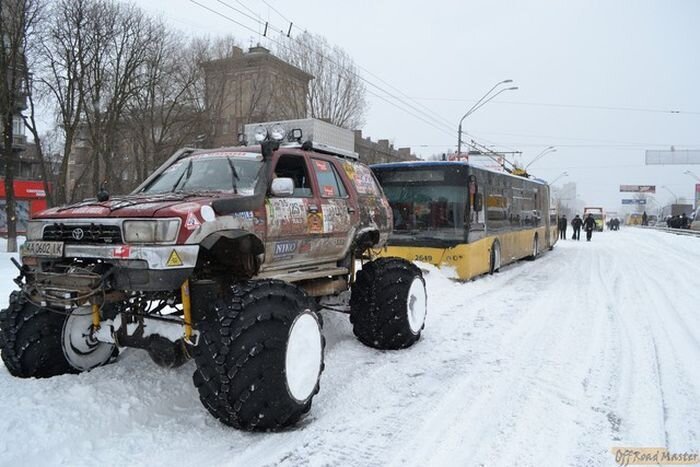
<point x="291" y="228"/>
<point x="336" y="209"/>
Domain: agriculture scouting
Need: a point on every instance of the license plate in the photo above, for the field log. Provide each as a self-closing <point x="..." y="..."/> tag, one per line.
<point x="50" y="249"/>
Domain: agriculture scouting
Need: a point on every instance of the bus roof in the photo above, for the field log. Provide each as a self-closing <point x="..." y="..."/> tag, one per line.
<point x="437" y="164"/>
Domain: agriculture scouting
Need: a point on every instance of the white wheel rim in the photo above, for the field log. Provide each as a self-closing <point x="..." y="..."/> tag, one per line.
<point x="82" y="351"/>
<point x="304" y="356"/>
<point x="416" y="305"/>
<point x="497" y="258"/>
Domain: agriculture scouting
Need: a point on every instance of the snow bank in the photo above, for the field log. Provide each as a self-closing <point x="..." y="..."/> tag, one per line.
<point x="550" y="362"/>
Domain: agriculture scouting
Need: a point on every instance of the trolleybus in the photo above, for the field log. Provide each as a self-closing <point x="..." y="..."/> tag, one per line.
<point x="469" y="218"/>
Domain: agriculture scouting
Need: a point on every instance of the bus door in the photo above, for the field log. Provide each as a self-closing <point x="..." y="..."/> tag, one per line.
<point x="477" y="215"/>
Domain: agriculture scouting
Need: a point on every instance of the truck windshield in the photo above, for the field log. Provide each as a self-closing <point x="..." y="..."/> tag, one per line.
<point x="234" y="172"/>
<point x="425" y="206"/>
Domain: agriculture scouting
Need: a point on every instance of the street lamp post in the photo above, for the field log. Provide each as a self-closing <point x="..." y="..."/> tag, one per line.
<point x="688" y="172"/>
<point x="563" y="174"/>
<point x="480" y="103"/>
<point x="675" y="198"/>
<point x="539" y="156"/>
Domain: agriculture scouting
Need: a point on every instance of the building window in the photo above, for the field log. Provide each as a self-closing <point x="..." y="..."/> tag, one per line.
<point x="17" y="126"/>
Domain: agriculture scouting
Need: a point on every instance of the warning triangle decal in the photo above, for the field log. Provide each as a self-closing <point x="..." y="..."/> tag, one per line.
<point x="174" y="260"/>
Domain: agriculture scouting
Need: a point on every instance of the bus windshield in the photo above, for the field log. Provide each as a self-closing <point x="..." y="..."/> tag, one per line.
<point x="429" y="209"/>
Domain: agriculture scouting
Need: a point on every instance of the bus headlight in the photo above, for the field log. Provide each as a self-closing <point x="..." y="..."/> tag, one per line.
<point x="151" y="231"/>
<point x="35" y="230"/>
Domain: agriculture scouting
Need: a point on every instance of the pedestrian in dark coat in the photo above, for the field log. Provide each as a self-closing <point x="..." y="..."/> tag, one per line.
<point x="563" y="223"/>
<point x="589" y="226"/>
<point x="576" y="223"/>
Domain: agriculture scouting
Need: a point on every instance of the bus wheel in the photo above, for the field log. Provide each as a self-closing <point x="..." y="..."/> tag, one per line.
<point x="495" y="264"/>
<point x="535" y="249"/>
<point x="388" y="304"/>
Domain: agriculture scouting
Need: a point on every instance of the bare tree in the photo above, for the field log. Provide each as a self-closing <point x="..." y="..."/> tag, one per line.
<point x="31" y="124"/>
<point x="18" y="20"/>
<point x="166" y="114"/>
<point x="118" y="35"/>
<point x="63" y="56"/>
<point x="336" y="93"/>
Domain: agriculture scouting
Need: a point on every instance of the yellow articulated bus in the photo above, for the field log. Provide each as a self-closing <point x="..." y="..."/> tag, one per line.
<point x="469" y="218"/>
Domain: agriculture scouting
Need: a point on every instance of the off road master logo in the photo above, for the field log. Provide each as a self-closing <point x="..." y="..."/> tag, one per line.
<point x="653" y="456"/>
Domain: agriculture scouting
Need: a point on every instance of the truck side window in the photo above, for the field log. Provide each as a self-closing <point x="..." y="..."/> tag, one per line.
<point x="329" y="181"/>
<point x="294" y="167"/>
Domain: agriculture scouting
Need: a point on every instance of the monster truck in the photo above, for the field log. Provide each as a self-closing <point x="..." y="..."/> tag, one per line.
<point x="224" y="256"/>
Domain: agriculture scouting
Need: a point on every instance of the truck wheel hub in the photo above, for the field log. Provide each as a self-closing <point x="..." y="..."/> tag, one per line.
<point x="80" y="347"/>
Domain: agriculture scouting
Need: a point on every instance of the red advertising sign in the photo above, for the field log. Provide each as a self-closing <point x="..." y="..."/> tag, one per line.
<point x="25" y="189"/>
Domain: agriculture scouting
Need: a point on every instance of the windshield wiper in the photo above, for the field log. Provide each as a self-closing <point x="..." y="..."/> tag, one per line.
<point x="234" y="175"/>
<point x="187" y="174"/>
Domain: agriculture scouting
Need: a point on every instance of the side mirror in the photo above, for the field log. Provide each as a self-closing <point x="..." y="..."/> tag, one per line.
<point x="282" y="187"/>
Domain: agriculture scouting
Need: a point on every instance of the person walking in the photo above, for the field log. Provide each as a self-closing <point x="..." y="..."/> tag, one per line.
<point x="563" y="223"/>
<point x="576" y="224"/>
<point x="645" y="219"/>
<point x="588" y="226"/>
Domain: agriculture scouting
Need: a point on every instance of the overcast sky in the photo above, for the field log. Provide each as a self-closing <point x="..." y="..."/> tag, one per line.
<point x="597" y="79"/>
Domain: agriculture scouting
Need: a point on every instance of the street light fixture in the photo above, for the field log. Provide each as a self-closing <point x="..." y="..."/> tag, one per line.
<point x="563" y="174"/>
<point x="675" y="198"/>
<point x="539" y="156"/>
<point x="480" y="103"/>
<point x="688" y="172"/>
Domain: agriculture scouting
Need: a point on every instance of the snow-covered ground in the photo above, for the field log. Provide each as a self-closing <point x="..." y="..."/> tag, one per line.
<point x="551" y="362"/>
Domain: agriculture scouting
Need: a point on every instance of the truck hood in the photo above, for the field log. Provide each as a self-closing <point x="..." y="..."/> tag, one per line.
<point x="161" y="205"/>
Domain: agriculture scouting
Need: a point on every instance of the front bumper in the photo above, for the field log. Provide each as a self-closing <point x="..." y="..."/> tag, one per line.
<point x="136" y="267"/>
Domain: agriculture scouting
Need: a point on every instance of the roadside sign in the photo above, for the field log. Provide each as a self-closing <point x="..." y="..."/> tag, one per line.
<point x="634" y="201"/>
<point x="637" y="188"/>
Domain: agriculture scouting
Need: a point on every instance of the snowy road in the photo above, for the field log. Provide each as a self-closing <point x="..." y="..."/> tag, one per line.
<point x="551" y="362"/>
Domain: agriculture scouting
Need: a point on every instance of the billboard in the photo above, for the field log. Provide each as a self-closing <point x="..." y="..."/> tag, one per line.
<point x="673" y="157"/>
<point x="638" y="188"/>
<point x="634" y="201"/>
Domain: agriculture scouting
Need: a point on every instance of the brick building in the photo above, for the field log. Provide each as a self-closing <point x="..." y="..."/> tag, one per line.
<point x="254" y="86"/>
<point x="375" y="152"/>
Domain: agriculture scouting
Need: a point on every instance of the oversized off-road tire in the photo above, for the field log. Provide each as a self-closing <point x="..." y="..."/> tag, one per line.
<point x="388" y="304"/>
<point x="260" y="355"/>
<point x="30" y="339"/>
<point x="40" y="342"/>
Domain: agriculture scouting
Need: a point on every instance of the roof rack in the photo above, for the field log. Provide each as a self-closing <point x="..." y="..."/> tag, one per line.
<point x="310" y="133"/>
<point x="322" y="148"/>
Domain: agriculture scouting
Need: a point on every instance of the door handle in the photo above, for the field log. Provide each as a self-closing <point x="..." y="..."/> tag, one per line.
<point x="312" y="208"/>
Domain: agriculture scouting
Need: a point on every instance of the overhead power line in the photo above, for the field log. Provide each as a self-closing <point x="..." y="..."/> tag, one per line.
<point x="572" y="106"/>
<point x="415" y="111"/>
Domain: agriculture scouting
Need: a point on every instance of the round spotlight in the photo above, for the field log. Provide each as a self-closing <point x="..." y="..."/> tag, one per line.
<point x="277" y="132"/>
<point x="260" y="133"/>
<point x="207" y="213"/>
